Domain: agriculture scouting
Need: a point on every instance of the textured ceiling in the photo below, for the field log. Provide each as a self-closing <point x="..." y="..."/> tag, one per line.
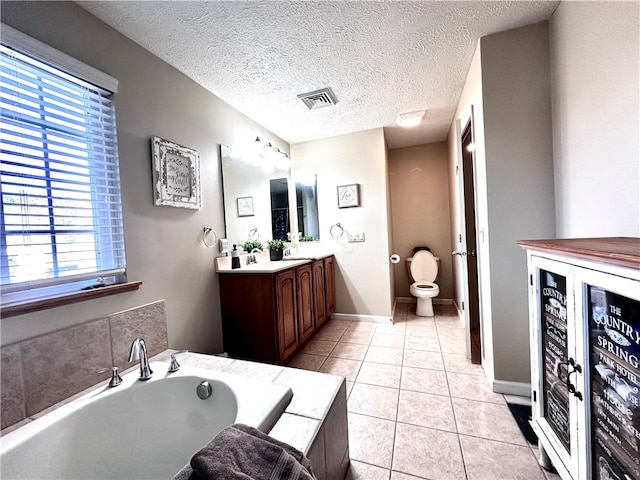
<point x="380" y="58"/>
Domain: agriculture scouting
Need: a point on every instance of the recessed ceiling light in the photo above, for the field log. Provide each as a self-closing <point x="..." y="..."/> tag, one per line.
<point x="410" y="119"/>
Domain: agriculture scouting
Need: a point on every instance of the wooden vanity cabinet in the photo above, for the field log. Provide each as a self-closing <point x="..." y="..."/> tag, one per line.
<point x="286" y="313"/>
<point x="268" y="317"/>
<point x="330" y="285"/>
<point x="250" y="313"/>
<point x="319" y="292"/>
<point x="306" y="320"/>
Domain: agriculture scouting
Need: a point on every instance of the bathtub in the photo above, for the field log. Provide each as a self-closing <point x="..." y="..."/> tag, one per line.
<point x="139" y="429"/>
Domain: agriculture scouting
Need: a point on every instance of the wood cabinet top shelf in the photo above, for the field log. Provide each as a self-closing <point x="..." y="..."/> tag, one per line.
<point x="621" y="251"/>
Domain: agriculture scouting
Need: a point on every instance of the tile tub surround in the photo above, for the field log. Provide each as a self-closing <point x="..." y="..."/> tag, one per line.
<point x="315" y="422"/>
<point x="42" y="371"/>
<point x="417" y="408"/>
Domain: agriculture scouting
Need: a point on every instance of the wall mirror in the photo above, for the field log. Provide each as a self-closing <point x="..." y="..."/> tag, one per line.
<point x="280" y="221"/>
<point x="261" y="200"/>
<point x="247" y="185"/>
<point x="307" y="208"/>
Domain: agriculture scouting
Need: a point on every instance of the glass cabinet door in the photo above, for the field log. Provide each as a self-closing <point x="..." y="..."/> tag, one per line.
<point x="554" y="364"/>
<point x="611" y="314"/>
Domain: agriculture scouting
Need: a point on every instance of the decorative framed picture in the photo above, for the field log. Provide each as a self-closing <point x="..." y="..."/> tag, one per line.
<point x="245" y="206"/>
<point x="176" y="174"/>
<point x="349" y="195"/>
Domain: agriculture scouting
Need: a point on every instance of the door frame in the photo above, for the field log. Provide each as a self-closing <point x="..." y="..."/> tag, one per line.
<point x="462" y="240"/>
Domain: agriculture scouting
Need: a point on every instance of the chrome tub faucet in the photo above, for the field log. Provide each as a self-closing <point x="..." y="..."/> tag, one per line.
<point x="139" y="352"/>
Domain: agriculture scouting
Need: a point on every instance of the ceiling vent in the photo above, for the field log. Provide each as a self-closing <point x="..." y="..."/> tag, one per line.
<point x="319" y="98"/>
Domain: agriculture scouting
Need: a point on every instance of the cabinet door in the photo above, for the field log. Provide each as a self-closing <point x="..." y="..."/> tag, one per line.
<point x="611" y="320"/>
<point x="553" y="356"/>
<point x="330" y="285"/>
<point x="287" y="317"/>
<point x="319" y="305"/>
<point x="305" y="301"/>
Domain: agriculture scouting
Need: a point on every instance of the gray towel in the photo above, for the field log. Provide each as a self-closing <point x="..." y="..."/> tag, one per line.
<point x="240" y="452"/>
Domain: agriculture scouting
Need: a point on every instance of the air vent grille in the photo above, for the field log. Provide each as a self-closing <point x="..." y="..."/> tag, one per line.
<point x="318" y="98"/>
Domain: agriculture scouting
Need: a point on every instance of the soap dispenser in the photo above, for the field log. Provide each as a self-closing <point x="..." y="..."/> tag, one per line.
<point x="235" y="257"/>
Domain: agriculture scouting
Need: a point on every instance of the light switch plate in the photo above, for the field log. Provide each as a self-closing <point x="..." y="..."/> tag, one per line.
<point x="356" y="237"/>
<point x="223" y="245"/>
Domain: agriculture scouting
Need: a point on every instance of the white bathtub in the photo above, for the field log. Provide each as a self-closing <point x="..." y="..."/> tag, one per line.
<point x="138" y="429"/>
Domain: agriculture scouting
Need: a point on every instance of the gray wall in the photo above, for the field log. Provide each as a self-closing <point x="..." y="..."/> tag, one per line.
<point x="516" y="93"/>
<point x="508" y="89"/>
<point x="594" y="76"/>
<point x="163" y="244"/>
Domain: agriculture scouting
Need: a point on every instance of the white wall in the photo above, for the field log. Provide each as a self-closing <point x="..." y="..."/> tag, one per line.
<point x="595" y="64"/>
<point x="163" y="244"/>
<point x="363" y="281"/>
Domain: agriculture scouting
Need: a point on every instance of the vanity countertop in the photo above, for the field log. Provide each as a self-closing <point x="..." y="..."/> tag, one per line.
<point x="223" y="265"/>
<point x="301" y="256"/>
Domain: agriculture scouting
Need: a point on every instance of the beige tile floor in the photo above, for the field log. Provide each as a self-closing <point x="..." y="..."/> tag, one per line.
<point x="417" y="408"/>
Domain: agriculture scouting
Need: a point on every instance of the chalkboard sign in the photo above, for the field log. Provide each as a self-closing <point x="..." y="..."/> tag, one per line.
<point x="614" y="325"/>
<point x="553" y="308"/>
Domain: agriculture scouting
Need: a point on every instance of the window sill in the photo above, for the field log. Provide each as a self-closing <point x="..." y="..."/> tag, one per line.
<point x="68" y="299"/>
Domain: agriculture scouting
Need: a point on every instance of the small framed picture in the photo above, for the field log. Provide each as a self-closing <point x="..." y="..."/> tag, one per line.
<point x="245" y="206"/>
<point x="349" y="195"/>
<point x="176" y="174"/>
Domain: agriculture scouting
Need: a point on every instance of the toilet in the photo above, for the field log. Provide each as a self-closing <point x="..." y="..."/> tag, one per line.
<point x="423" y="271"/>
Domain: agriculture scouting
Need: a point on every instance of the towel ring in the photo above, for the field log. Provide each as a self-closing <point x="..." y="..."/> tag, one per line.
<point x="253" y="234"/>
<point x="205" y="231"/>
<point x="339" y="230"/>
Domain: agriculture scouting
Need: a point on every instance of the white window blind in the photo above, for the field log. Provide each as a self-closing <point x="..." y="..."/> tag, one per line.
<point x="61" y="217"/>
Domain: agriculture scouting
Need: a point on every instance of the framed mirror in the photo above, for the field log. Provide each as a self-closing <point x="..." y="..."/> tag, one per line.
<point x="280" y="217"/>
<point x="260" y="199"/>
<point x="250" y="186"/>
<point x="307" y="208"/>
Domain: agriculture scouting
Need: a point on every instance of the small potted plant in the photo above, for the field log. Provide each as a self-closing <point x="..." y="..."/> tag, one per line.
<point x="249" y="245"/>
<point x="276" y="249"/>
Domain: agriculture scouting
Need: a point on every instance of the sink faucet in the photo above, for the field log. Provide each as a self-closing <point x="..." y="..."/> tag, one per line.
<point x="139" y="352"/>
<point x="252" y="256"/>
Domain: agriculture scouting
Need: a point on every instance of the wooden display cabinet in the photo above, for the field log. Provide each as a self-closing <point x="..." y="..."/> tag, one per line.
<point x="584" y="308"/>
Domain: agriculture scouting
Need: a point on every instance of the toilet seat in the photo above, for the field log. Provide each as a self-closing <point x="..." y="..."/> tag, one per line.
<point x="424" y="289"/>
<point x="424" y="270"/>
<point x="424" y="267"/>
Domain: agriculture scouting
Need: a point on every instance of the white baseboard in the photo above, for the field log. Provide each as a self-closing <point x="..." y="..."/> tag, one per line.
<point x="435" y="301"/>
<point x="405" y="299"/>
<point x="361" y="318"/>
<point x="443" y="301"/>
<point x="512" y="388"/>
